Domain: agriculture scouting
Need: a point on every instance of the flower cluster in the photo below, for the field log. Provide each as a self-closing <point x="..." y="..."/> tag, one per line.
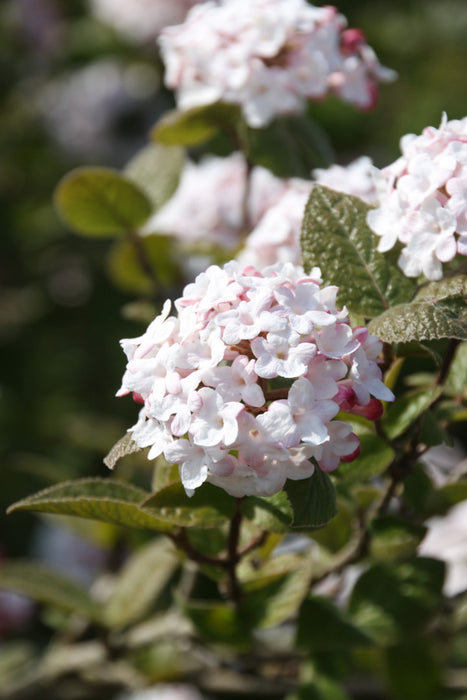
<point x="242" y="387"/>
<point x="268" y="57"/>
<point x="422" y="200"/>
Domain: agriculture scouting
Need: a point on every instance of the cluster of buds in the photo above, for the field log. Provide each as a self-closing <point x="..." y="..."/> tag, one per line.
<point x="242" y="387"/>
<point x="422" y="200"/>
<point x="270" y="57"/>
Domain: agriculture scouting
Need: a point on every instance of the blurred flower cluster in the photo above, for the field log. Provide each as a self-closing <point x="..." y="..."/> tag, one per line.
<point x="271" y="56"/>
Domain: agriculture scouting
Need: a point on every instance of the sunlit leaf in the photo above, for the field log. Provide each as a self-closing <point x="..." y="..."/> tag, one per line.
<point x="156" y="170"/>
<point x="194" y="126"/>
<point x="100" y="202"/>
<point x="139" y="584"/>
<point x="273" y="514"/>
<point x="336" y="237"/>
<point x="98" y="499"/>
<point x="393" y="538"/>
<point x="125" y="446"/>
<point x="405" y="411"/>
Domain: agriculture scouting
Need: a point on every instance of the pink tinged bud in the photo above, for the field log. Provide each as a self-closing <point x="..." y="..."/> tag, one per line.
<point x="353" y="455"/>
<point x="351" y="40"/>
<point x="373" y="410"/>
<point x="137" y="397"/>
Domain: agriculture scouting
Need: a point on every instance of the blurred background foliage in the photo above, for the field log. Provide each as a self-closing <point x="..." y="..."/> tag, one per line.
<point x="73" y="92"/>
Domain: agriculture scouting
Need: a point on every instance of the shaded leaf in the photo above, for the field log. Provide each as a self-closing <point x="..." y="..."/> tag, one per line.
<point x="374" y="458"/>
<point x="100" y="202"/>
<point x="208" y="507"/>
<point x="140" y="582"/>
<point x="405" y="411"/>
<point x="156" y="170"/>
<point x="194" y="126"/>
<point x="394" y="538"/>
<point x="456" y="381"/>
<point x="219" y="623"/>
<point x="336" y="237"/>
<point x="323" y="627"/>
<point x="313" y="500"/>
<point x="273" y="513"/>
<point x="398" y="599"/>
<point x="45" y="585"/>
<point x="413" y="672"/>
<point x="271" y="602"/>
<point x="98" y="499"/>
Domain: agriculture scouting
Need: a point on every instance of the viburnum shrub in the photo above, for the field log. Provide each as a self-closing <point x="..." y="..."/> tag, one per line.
<point x="243" y="386"/>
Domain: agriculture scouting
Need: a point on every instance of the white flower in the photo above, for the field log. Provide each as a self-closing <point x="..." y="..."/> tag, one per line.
<point x="422" y="200"/>
<point x="243" y="386"/>
<point x="271" y="56"/>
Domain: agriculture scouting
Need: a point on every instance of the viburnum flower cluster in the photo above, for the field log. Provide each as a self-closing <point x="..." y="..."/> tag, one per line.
<point x="269" y="57"/>
<point x="422" y="200"/>
<point x="242" y="387"/>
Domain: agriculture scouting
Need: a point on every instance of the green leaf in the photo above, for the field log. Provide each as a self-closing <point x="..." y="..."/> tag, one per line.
<point x="45" y="585"/>
<point x="456" y="381"/>
<point x="323" y="627"/>
<point x="100" y="202"/>
<point x="273" y="514"/>
<point x="313" y="500"/>
<point x="336" y="237"/>
<point x="423" y="320"/>
<point x="209" y="506"/>
<point x="398" y="600"/>
<point x="393" y="538"/>
<point x="126" y="271"/>
<point x="271" y="602"/>
<point x="194" y="126"/>
<point x="290" y="146"/>
<point x="405" y="411"/>
<point x="125" y="446"/>
<point x="156" y="170"/>
<point x="98" y="499"/>
<point x="140" y="583"/>
<point x="413" y="672"/>
<point x="219" y="623"/>
<point x="374" y="458"/>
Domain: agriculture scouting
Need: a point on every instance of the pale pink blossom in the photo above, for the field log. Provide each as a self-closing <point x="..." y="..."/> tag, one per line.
<point x="422" y="200"/>
<point x="245" y="383"/>
<point x="268" y="57"/>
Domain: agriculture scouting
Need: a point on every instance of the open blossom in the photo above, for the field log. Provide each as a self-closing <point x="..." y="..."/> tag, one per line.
<point x="422" y="200"/>
<point x="242" y="386"/>
<point x="268" y="57"/>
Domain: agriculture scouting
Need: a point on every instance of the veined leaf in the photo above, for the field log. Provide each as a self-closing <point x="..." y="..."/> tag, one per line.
<point x="98" y="499"/>
<point x="100" y="202"/>
<point x="273" y="514"/>
<point x="156" y="170"/>
<point x="208" y="507"/>
<point x="125" y="446"/>
<point x="336" y="237"/>
<point x="405" y="411"/>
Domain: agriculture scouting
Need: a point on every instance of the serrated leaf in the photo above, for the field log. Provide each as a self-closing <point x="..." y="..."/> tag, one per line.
<point x="125" y="446"/>
<point x="323" y="627"/>
<point x="405" y="411"/>
<point x="336" y="237"/>
<point x="140" y="583"/>
<point x="208" y="507"/>
<point x="100" y="202"/>
<point x="194" y="126"/>
<point x="44" y="585"/>
<point x="426" y="319"/>
<point x="98" y="499"/>
<point x="156" y="170"/>
<point x="450" y="286"/>
<point x="273" y="513"/>
<point x="374" y="458"/>
<point x="313" y="500"/>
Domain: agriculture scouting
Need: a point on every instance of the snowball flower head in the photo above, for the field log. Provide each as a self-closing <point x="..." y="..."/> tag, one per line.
<point x="242" y="386"/>
<point x="269" y="57"/>
<point x="422" y="200"/>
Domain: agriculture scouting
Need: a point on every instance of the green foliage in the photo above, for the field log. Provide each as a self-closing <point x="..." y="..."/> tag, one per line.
<point x="207" y="507"/>
<point x="375" y="457"/>
<point x="336" y="237"/>
<point x="323" y="627"/>
<point x="98" y="499"/>
<point x="156" y="169"/>
<point x="47" y="586"/>
<point x="406" y="410"/>
<point x="100" y="202"/>
<point x="272" y="514"/>
<point x="393" y="538"/>
<point x="196" y="125"/>
<point x="313" y="500"/>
